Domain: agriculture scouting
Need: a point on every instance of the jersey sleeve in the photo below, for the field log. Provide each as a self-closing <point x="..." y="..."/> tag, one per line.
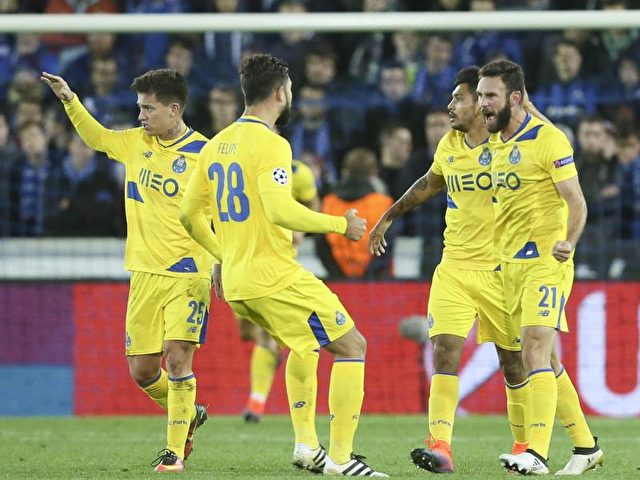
<point x="304" y="184"/>
<point x="112" y="142"/>
<point x="274" y="167"/>
<point x="557" y="155"/>
<point x="436" y="166"/>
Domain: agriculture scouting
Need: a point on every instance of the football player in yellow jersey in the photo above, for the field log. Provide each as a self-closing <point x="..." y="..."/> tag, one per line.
<point x="244" y="176"/>
<point x="265" y="357"/>
<point x="540" y="213"/>
<point x="466" y="285"/>
<point x="170" y="287"/>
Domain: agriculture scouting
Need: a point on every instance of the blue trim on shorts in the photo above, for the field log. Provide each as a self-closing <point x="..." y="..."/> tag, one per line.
<point x="446" y="373"/>
<point x="203" y="330"/>
<point x="343" y="360"/>
<point x="152" y="381"/>
<point x="561" y="371"/>
<point x="519" y="385"/>
<point x="540" y="370"/>
<point x="560" y="311"/>
<point x="182" y="379"/>
<point x="318" y="330"/>
<point x="317" y="350"/>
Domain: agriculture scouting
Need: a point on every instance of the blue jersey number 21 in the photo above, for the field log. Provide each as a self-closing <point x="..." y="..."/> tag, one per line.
<point x="237" y="205"/>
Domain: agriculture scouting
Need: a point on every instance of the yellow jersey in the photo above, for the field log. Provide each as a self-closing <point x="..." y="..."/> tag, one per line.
<point x="156" y="178"/>
<point x="530" y="213"/>
<point x="304" y="183"/>
<point x="468" y="236"/>
<point x="242" y="163"/>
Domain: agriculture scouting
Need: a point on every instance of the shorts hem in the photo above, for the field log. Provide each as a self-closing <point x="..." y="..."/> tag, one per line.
<point x="560" y="328"/>
<point x="431" y="335"/>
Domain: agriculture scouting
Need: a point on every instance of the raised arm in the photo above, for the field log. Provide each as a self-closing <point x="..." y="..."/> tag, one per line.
<point x="92" y="132"/>
<point x="572" y="193"/>
<point x="425" y="188"/>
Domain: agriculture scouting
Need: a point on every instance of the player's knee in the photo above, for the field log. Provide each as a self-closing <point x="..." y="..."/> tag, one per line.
<point x="446" y="353"/>
<point x="351" y="345"/>
<point x="246" y="329"/>
<point x="512" y="368"/>
<point x="178" y="358"/>
<point x="142" y="375"/>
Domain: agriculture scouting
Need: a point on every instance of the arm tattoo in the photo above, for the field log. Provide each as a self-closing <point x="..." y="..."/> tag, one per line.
<point x="412" y="197"/>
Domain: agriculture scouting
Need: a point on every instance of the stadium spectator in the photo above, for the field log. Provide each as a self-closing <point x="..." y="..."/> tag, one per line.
<point x="434" y="78"/>
<point x="406" y="50"/>
<point x="31" y="195"/>
<point x="627" y="264"/>
<point x="24" y="86"/>
<point x="396" y="144"/>
<point x="392" y="101"/>
<point x="569" y="96"/>
<point x="478" y="48"/>
<point x="356" y="189"/>
<point x="313" y="132"/>
<point x="223" y="109"/>
<point x="619" y="42"/>
<point x="29" y="53"/>
<point x="153" y="45"/>
<point x="100" y="45"/>
<point x="181" y="56"/>
<point x="599" y="170"/>
<point x="105" y="98"/>
<point x="86" y="196"/>
<point x="26" y="110"/>
<point x="291" y="46"/>
<point x="9" y="156"/>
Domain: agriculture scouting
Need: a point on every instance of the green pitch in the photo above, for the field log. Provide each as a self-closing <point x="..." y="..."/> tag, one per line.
<point x="225" y="448"/>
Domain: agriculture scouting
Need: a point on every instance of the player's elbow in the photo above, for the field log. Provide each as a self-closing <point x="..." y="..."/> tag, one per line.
<point x="185" y="220"/>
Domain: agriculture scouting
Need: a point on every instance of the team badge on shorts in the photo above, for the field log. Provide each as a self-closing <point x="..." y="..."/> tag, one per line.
<point x="179" y="164"/>
<point x="280" y="176"/>
<point x="514" y="156"/>
<point x="430" y="321"/>
<point x="340" y="318"/>
<point x="127" y="340"/>
<point x="450" y="158"/>
<point x="485" y="157"/>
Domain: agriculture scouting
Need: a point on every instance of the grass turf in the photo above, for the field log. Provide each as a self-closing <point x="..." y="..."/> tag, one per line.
<point x="226" y="447"/>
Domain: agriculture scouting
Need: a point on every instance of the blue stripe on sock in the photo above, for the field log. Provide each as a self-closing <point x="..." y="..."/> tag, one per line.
<point x="561" y="371"/>
<point x="342" y="360"/>
<point x="152" y="381"/>
<point x="182" y="379"/>
<point x="540" y="370"/>
<point x="517" y="386"/>
<point x="446" y="373"/>
<point x="203" y="328"/>
<point x="318" y="330"/>
<point x="560" y="311"/>
<point x="317" y="350"/>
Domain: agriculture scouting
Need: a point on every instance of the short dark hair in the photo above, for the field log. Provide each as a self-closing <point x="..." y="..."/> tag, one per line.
<point x="28" y="124"/>
<point x="470" y="76"/>
<point x="260" y="75"/>
<point x="509" y="72"/>
<point x="165" y="83"/>
<point x="563" y="42"/>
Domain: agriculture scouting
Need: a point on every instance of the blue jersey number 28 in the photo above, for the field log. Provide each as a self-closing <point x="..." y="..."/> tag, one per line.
<point x="237" y="204"/>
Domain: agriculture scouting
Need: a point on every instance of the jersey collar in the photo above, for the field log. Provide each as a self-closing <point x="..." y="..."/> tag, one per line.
<point x="524" y="124"/>
<point x="251" y="119"/>
<point x="181" y="139"/>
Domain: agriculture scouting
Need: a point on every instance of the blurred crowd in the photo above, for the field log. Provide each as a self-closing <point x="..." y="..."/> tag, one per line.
<point x="378" y="99"/>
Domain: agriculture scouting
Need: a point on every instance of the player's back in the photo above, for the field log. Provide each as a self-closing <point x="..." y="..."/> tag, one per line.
<point x="258" y="256"/>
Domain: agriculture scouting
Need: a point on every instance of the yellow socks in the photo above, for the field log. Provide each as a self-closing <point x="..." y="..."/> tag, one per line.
<point x="264" y="363"/>
<point x="443" y="402"/>
<point x="302" y="388"/>
<point x="570" y="413"/>
<point x="158" y="389"/>
<point x="181" y="398"/>
<point x="346" y="391"/>
<point x="544" y="397"/>
<point x="518" y="410"/>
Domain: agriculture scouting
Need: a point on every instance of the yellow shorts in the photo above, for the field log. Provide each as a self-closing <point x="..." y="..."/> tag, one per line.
<point x="458" y="296"/>
<point x="165" y="308"/>
<point x="537" y="293"/>
<point x="304" y="316"/>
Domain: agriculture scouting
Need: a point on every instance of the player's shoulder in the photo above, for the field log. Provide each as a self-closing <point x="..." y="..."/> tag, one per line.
<point x="193" y="143"/>
<point x="452" y="140"/>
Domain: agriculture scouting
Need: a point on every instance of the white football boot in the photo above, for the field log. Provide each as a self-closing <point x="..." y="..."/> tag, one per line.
<point x="306" y="458"/>
<point x="524" y="463"/>
<point x="583" y="459"/>
<point x="353" y="468"/>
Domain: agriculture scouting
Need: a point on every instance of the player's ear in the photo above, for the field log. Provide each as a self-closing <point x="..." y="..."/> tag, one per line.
<point x="516" y="97"/>
<point x="174" y="110"/>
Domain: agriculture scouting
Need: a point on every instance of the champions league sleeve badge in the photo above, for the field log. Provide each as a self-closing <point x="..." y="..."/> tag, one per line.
<point x="485" y="157"/>
<point x="179" y="164"/>
<point x="280" y="176"/>
<point x="514" y="156"/>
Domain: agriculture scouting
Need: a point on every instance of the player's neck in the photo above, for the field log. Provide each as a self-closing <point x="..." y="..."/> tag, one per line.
<point x="517" y="118"/>
<point x="262" y="112"/>
<point x="175" y="132"/>
<point x="477" y="134"/>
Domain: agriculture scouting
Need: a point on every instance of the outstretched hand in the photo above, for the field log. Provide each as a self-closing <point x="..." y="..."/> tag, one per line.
<point x="377" y="242"/>
<point x="58" y="86"/>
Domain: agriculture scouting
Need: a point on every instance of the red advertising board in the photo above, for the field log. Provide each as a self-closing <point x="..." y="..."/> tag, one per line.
<point x="601" y="353"/>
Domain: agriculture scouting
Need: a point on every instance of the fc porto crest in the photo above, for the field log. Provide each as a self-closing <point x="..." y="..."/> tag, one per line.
<point x="485" y="157"/>
<point x="179" y="164"/>
<point x="514" y="156"/>
<point x="450" y="158"/>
